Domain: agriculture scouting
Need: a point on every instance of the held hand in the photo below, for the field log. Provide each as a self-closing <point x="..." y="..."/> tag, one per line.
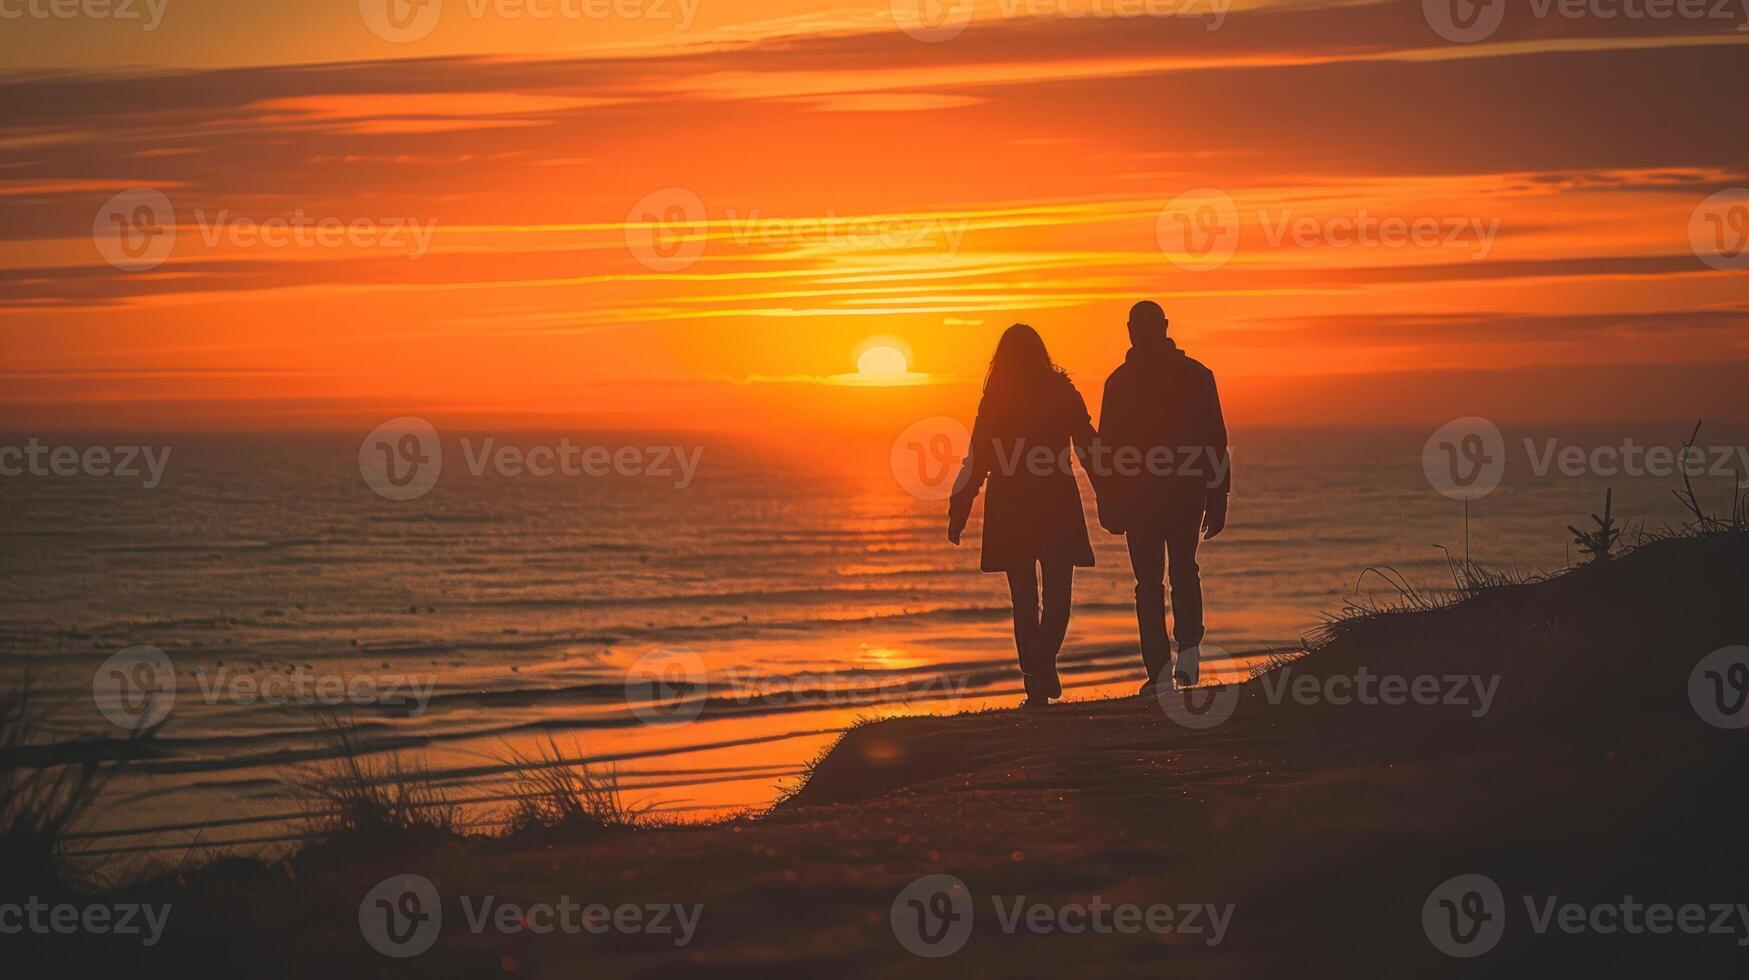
<point x="953" y="533"/>
<point x="1214" y="518"/>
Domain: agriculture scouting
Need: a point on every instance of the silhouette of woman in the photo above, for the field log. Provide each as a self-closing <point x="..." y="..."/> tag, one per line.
<point x="1029" y="419"/>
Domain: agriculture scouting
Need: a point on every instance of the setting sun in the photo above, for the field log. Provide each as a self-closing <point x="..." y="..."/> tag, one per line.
<point x="882" y="364"/>
<point x="884" y="361"/>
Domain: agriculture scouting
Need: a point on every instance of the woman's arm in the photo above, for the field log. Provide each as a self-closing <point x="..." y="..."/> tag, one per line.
<point x="1084" y="438"/>
<point x="974" y="470"/>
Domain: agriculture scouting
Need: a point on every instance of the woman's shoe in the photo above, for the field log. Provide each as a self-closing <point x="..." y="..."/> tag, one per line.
<point x="1038" y="689"/>
<point x="1054" y="684"/>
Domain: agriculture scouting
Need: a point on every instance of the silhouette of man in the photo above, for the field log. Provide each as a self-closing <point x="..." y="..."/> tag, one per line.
<point x="1163" y="447"/>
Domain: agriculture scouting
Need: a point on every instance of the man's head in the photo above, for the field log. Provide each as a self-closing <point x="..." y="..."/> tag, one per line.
<point x="1147" y="323"/>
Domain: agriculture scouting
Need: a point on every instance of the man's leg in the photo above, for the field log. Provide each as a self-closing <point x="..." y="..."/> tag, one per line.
<point x="1148" y="559"/>
<point x="1182" y="534"/>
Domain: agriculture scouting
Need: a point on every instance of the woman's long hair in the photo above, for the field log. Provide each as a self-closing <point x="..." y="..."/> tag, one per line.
<point x="1020" y="365"/>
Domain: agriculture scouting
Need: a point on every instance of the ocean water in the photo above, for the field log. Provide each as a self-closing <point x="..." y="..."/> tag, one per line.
<point x="704" y="641"/>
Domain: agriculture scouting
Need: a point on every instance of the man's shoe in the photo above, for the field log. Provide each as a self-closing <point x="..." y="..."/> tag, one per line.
<point x="1150" y="687"/>
<point x="1054" y="683"/>
<point x="1188" y="670"/>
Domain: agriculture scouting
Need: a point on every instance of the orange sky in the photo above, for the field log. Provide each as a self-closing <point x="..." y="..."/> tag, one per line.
<point x="617" y="221"/>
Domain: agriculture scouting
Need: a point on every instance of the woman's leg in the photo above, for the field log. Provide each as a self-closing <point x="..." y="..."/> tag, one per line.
<point x="1023" y="592"/>
<point x="1059" y="589"/>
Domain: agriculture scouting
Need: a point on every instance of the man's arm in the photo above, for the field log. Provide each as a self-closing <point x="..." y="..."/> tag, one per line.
<point x="1215" y="503"/>
<point x="1219" y="451"/>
